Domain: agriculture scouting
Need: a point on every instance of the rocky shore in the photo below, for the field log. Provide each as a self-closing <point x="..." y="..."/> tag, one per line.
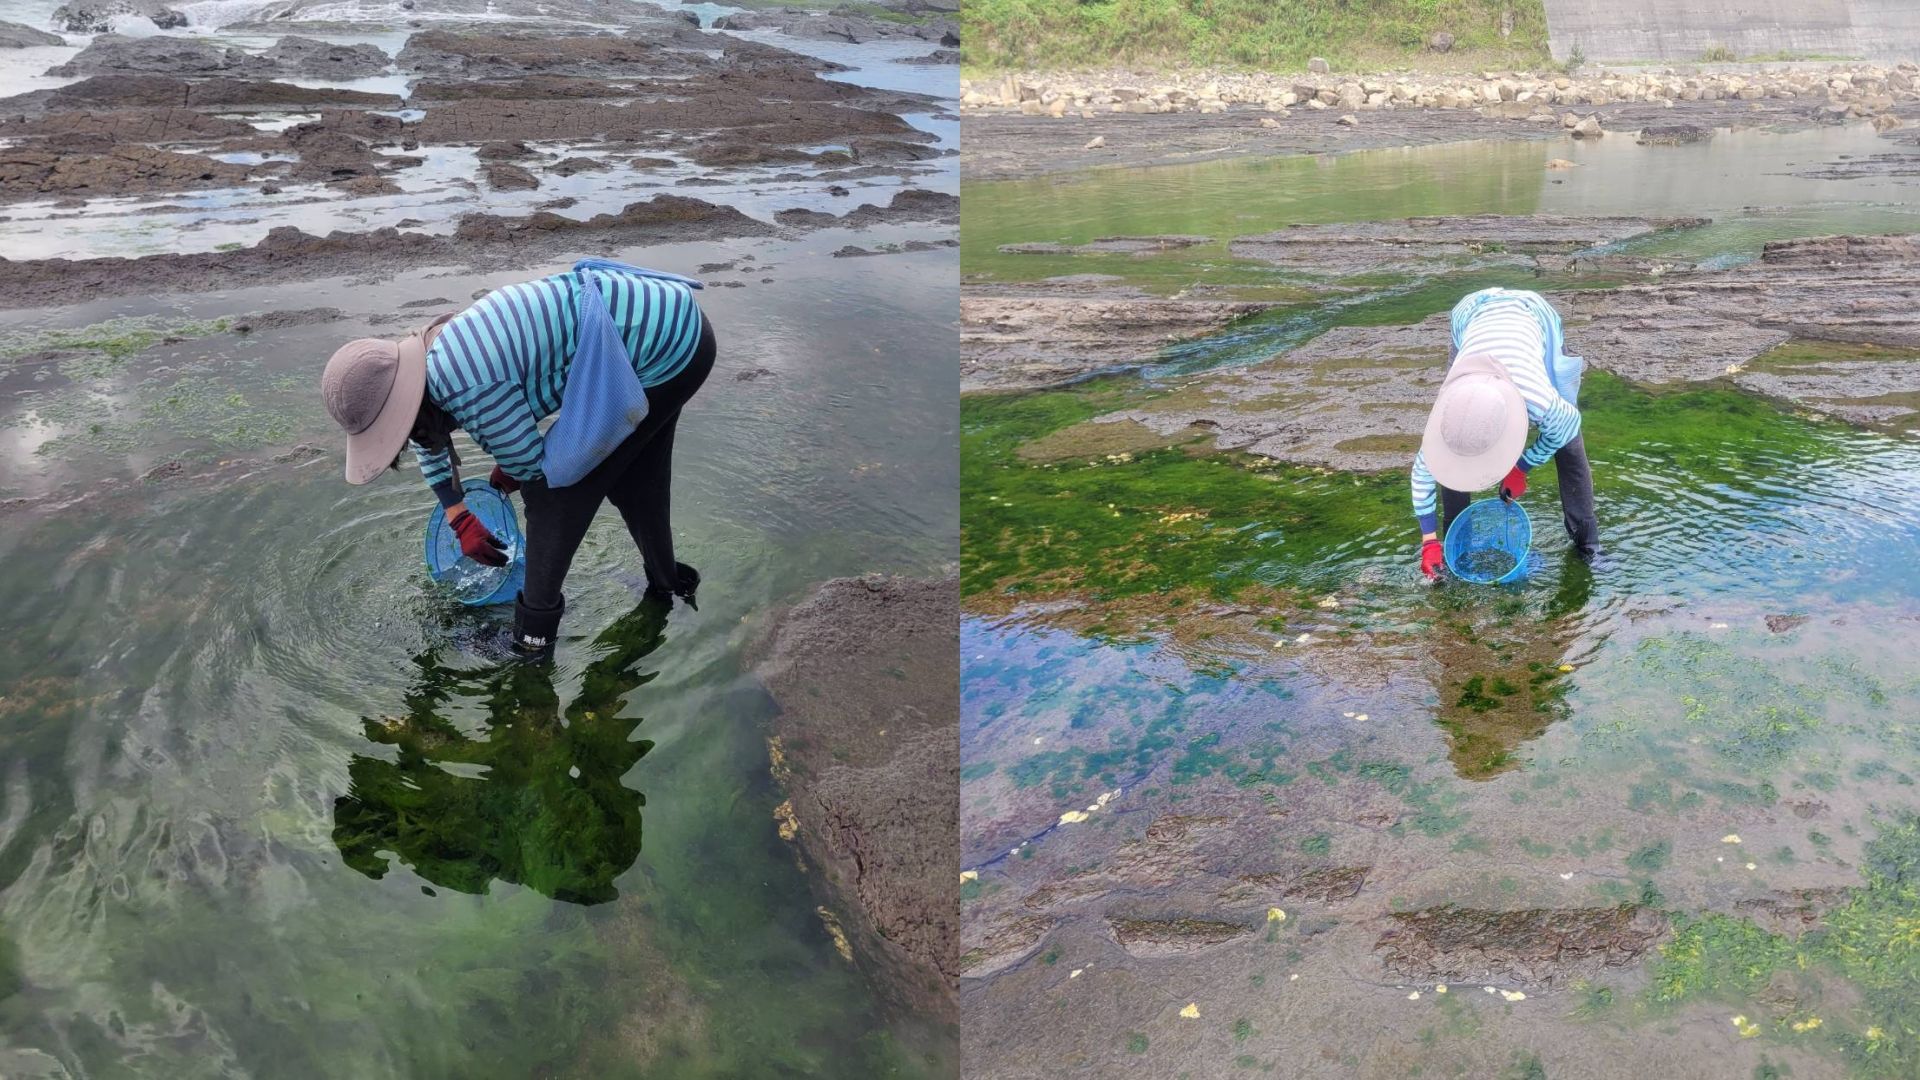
<point x="1861" y="90"/>
<point x="1818" y="323"/>
<point x="866" y="675"/>
<point x="480" y="240"/>
<point x="550" y="99"/>
<point x="1028" y="124"/>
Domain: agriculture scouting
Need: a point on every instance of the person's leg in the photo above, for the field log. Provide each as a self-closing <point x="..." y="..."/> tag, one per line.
<point x="644" y="498"/>
<point x="1576" y="498"/>
<point x="643" y="492"/>
<point x="1452" y="504"/>
<point x="557" y="520"/>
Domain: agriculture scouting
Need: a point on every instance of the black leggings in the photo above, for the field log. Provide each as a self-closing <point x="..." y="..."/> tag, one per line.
<point x="637" y="478"/>
<point x="1576" y="499"/>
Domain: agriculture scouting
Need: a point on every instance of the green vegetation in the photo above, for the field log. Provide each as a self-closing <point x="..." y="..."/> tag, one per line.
<point x="1158" y="522"/>
<point x="1871" y="943"/>
<point x="1650" y="859"/>
<point x="1179" y="520"/>
<point x="1252" y="33"/>
<point x="115" y="339"/>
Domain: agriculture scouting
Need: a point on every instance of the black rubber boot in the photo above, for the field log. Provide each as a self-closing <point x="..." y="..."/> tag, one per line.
<point x="534" y="629"/>
<point x="686" y="581"/>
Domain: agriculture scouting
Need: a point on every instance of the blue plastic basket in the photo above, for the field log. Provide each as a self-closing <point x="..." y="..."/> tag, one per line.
<point x="474" y="583"/>
<point x="1481" y="534"/>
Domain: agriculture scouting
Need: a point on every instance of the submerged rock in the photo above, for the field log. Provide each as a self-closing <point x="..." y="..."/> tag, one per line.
<point x="1009" y="342"/>
<point x="1172" y="937"/>
<point x="866" y="674"/>
<point x="1109" y="245"/>
<point x="1427" y="243"/>
<point x="1674" y="135"/>
<point x="1535" y="947"/>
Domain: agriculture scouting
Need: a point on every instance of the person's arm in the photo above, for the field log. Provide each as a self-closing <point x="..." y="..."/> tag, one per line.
<point x="437" y="467"/>
<point x="1426" y="499"/>
<point x="498" y="417"/>
<point x="1425" y="496"/>
<point x="1559" y="423"/>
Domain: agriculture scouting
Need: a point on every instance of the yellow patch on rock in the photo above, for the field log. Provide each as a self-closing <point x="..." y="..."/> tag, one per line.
<point x="789" y="825"/>
<point x="838" y="935"/>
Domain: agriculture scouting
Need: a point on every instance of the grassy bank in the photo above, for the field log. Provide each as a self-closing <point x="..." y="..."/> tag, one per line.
<point x="1351" y="34"/>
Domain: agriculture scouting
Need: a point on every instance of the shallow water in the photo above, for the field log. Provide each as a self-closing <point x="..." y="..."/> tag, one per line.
<point x="1741" y="178"/>
<point x="1242" y="659"/>
<point x="272" y="810"/>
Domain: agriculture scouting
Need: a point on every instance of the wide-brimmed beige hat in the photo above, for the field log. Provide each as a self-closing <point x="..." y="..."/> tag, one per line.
<point x="1478" y="426"/>
<point x="373" y="389"/>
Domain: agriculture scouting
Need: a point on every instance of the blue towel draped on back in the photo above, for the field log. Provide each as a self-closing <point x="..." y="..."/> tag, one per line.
<point x="605" y="399"/>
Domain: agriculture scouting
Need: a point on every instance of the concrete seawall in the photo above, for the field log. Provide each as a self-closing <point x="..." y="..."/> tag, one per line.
<point x="1681" y="30"/>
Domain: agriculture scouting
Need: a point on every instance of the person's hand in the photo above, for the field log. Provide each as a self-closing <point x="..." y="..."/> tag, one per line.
<point x="502" y="483"/>
<point x="1515" y="485"/>
<point x="476" y="542"/>
<point x="1432" y="558"/>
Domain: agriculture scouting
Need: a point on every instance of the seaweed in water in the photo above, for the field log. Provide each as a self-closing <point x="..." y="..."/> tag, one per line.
<point x="547" y="808"/>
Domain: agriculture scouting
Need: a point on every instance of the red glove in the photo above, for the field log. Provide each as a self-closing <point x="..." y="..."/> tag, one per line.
<point x="502" y="483"/>
<point x="1432" y="559"/>
<point x="476" y="542"/>
<point x="1515" y="485"/>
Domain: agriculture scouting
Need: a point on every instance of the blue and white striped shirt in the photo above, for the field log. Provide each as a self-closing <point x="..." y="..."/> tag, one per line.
<point x="500" y="367"/>
<point x="1507" y="331"/>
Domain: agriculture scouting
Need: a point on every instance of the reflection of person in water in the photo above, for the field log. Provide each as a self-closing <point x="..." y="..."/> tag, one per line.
<point x="536" y="800"/>
<point x="1502" y="687"/>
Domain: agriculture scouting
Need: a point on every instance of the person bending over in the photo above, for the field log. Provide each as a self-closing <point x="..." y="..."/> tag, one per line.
<point x="1506" y="371"/>
<point x="498" y="368"/>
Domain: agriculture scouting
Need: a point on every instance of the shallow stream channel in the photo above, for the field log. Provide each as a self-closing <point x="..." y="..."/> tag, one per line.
<point x="1242" y="793"/>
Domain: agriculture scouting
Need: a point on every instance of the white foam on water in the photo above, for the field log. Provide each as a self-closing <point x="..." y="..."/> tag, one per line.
<point x="272" y="123"/>
<point x="214" y="14"/>
<point x="133" y="26"/>
<point x="22" y="70"/>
